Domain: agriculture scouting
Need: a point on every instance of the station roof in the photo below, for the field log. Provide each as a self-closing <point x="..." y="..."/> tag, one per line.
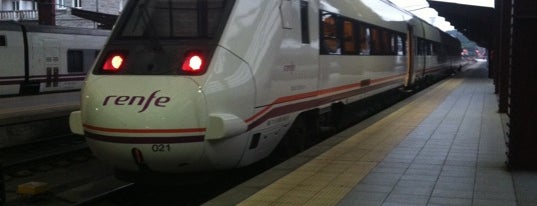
<point x="106" y="20"/>
<point x="475" y="22"/>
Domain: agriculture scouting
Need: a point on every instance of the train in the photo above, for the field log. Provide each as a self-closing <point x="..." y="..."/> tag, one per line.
<point x="40" y="59"/>
<point x="194" y="86"/>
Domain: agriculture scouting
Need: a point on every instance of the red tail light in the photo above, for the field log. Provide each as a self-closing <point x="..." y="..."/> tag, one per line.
<point x="194" y="64"/>
<point x="114" y="62"/>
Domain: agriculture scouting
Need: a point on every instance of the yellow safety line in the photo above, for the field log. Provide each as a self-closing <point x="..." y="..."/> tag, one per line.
<point x="326" y="179"/>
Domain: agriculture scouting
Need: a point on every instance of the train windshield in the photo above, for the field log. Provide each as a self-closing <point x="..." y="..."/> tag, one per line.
<point x="172" y="19"/>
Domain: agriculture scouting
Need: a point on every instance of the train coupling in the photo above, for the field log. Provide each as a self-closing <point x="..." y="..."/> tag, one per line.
<point x="139" y="159"/>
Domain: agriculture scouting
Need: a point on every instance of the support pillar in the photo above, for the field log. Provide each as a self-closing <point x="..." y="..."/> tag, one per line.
<point x="523" y="93"/>
<point x="47" y="12"/>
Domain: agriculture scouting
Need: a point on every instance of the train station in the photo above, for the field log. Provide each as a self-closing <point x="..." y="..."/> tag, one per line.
<point x="252" y="102"/>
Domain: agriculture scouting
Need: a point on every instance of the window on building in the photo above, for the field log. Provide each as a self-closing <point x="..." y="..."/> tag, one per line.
<point x="60" y="4"/>
<point x="15" y="5"/>
<point x="77" y="3"/>
<point x="121" y="3"/>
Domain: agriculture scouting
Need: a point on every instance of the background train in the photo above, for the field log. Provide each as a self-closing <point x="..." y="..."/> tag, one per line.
<point x="38" y="59"/>
<point x="186" y="86"/>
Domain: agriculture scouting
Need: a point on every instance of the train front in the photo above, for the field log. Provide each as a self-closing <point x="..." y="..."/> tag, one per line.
<point x="142" y="106"/>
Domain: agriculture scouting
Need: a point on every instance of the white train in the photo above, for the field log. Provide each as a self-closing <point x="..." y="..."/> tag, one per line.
<point x="199" y="85"/>
<point x="39" y="59"/>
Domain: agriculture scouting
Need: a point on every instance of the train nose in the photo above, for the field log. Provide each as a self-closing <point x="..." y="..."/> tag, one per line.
<point x="163" y="118"/>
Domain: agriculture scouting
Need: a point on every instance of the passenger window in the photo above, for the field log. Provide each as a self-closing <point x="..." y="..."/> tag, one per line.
<point x="376" y="41"/>
<point x="80" y="60"/>
<point x="3" y="41"/>
<point x="349" y="39"/>
<point x="430" y="50"/>
<point x="422" y="47"/>
<point x="330" y="41"/>
<point x="365" y="39"/>
<point x="387" y="48"/>
<point x="342" y="35"/>
<point x="75" y="61"/>
<point x="400" y="43"/>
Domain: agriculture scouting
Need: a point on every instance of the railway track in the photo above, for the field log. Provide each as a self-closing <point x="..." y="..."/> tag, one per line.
<point x="32" y="161"/>
<point x="67" y="147"/>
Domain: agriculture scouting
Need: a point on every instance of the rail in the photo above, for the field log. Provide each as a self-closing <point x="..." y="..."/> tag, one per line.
<point x="18" y="15"/>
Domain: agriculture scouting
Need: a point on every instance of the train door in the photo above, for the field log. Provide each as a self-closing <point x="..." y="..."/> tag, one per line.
<point x="51" y="67"/>
<point x="409" y="80"/>
<point x="419" y="50"/>
<point x="294" y="69"/>
<point x="422" y="44"/>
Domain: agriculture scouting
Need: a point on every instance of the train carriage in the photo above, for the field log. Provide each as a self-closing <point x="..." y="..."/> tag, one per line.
<point x="201" y="85"/>
<point x="40" y="59"/>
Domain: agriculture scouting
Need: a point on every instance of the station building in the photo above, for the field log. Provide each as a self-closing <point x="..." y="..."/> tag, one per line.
<point x="69" y="13"/>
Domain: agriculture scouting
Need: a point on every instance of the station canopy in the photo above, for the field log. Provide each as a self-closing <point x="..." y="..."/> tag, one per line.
<point x="475" y="22"/>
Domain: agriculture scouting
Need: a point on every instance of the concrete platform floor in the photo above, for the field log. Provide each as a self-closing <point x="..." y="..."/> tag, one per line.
<point x="443" y="146"/>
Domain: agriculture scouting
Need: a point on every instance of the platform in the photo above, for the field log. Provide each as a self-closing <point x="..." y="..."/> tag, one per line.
<point x="36" y="107"/>
<point x="443" y="146"/>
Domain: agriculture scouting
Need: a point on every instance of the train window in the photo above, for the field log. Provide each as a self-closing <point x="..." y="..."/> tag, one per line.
<point x="430" y="50"/>
<point x="422" y="46"/>
<point x="387" y="39"/>
<point x="365" y="39"/>
<point x="398" y="45"/>
<point x="176" y="19"/>
<point x="3" y="41"/>
<point x="330" y="40"/>
<point x="401" y="44"/>
<point x="75" y="61"/>
<point x="340" y="35"/>
<point x="349" y="39"/>
<point x="80" y="60"/>
<point x="304" y="22"/>
<point x="378" y="42"/>
<point x="438" y="49"/>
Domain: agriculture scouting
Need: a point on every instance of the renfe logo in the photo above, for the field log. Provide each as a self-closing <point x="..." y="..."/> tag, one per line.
<point x="137" y="100"/>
